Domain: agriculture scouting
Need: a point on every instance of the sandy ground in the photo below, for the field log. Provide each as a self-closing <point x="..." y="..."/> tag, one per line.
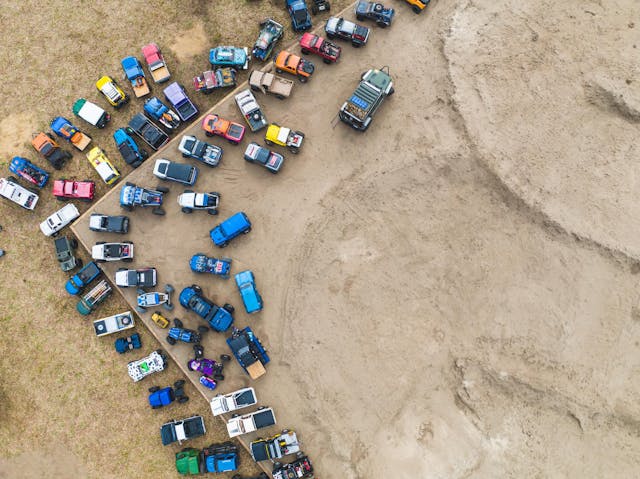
<point x="454" y="293"/>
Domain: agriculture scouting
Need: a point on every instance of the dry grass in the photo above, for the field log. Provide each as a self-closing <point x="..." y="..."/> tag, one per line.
<point x="68" y="407"/>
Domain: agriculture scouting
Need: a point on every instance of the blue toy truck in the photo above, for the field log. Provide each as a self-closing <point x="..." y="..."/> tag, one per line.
<point x="133" y="71"/>
<point x="230" y="228"/>
<point x="82" y="278"/>
<point x="160" y="112"/>
<point x="249" y="352"/>
<point x="219" y="318"/>
<point x="132" y="195"/>
<point x="201" y="263"/>
<point x="299" y="13"/>
<point x="180" y="333"/>
<point x="165" y="396"/>
<point x="128" y="343"/>
<point x="28" y="171"/>
<point x="131" y="153"/>
<point x="250" y="297"/>
<point x="374" y="11"/>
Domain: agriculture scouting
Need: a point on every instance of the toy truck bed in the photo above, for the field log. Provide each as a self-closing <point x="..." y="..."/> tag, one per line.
<point x="270" y="83"/>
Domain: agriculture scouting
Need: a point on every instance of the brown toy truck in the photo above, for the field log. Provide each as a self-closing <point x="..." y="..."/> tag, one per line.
<point x="270" y="83"/>
<point x="49" y="148"/>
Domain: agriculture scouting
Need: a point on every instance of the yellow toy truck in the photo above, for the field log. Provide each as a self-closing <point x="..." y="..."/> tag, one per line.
<point x="281" y="136"/>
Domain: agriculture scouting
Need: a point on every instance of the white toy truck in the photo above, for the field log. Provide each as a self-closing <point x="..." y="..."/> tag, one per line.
<point x="231" y="402"/>
<point x="238" y="425"/>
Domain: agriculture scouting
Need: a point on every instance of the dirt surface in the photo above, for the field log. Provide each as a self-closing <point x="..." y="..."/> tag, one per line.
<point x="451" y="295"/>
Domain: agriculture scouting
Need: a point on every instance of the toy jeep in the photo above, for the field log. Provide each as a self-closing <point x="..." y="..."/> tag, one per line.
<point x="82" y="278"/>
<point x="131" y="153"/>
<point x="230" y="228"/>
<point x="143" y="367"/>
<point x="113" y="324"/>
<point x="132" y="195"/>
<point x="299" y="13"/>
<point x="148" y="300"/>
<point x="358" y="111"/>
<point x="103" y="165"/>
<point x="112" y="92"/>
<point x="190" y="201"/>
<point x="91" y="113"/>
<point x="64" y="253"/>
<point x="281" y="136"/>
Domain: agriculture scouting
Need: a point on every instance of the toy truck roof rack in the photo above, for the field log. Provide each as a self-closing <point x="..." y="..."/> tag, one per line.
<point x="93" y="298"/>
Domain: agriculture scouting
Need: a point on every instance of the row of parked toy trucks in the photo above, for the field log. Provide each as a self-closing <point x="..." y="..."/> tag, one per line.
<point x="357" y="111"/>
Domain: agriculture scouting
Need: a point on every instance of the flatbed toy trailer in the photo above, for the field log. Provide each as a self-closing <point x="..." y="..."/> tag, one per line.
<point x="90" y="301"/>
<point x="269" y="83"/>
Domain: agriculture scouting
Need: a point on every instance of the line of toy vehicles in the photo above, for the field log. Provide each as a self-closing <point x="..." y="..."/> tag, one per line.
<point x="357" y="111"/>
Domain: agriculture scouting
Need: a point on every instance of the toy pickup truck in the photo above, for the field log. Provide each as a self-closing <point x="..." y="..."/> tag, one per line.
<point x="103" y="165"/>
<point x="131" y="153"/>
<point x="293" y="64"/>
<point x="11" y="190"/>
<point x="108" y="224"/>
<point x="49" y="148"/>
<point x="231" y="131"/>
<point x="346" y="30"/>
<point x="359" y="109"/>
<point x="147" y="131"/>
<point x="418" y="5"/>
<point x="90" y="301"/>
<point x="28" y="171"/>
<point x="215" y="458"/>
<point x="248" y="291"/>
<point x="76" y="190"/>
<point x="155" y="62"/>
<point x="65" y="129"/>
<point x="251" y="110"/>
<point x="91" y="113"/>
<point x="58" y="220"/>
<point x="310" y="43"/>
<point x="249" y="352"/>
<point x="183" y="430"/>
<point x="225" y="56"/>
<point x="269" y="83"/>
<point x="133" y="71"/>
<point x="113" y="324"/>
<point x="275" y="447"/>
<point x="177" y="97"/>
<point x="219" y="318"/>
<point x="281" y="136"/>
<point x="263" y="417"/>
<point x="82" y="278"/>
<point x="301" y="468"/>
<point x="230" y="228"/>
<point x="211" y="80"/>
<point x="233" y="401"/>
<point x="374" y="11"/>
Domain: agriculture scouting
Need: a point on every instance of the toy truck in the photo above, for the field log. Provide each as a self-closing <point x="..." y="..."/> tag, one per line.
<point x="222" y="404"/>
<point x="82" y="278"/>
<point x="160" y="112"/>
<point x="112" y="92"/>
<point x="270" y="32"/>
<point x="269" y="83"/>
<point x="219" y="318"/>
<point x="90" y="301"/>
<point x="310" y="43"/>
<point x="183" y="430"/>
<point x="374" y="11"/>
<point x="147" y="131"/>
<point x="91" y="113"/>
<point x="249" y="352"/>
<point x="225" y="56"/>
<point x="359" y="109"/>
<point x="58" y="220"/>
<point x="230" y="228"/>
<point x="132" y="196"/>
<point x="275" y="447"/>
<point x="11" y="190"/>
<point x="28" y="171"/>
<point x="64" y="253"/>
<point x="177" y="97"/>
<point x="238" y="425"/>
<point x="155" y="62"/>
<point x="215" y="458"/>
<point x="65" y="129"/>
<point x="418" y="5"/>
<point x="293" y="64"/>
<point x="281" y="136"/>
<point x="251" y="110"/>
<point x="338" y="27"/>
<point x="49" y="148"/>
<point x="73" y="190"/>
<point x="103" y="165"/>
<point x="113" y="324"/>
<point x="212" y="80"/>
<point x="143" y="367"/>
<point x="134" y="73"/>
<point x="231" y="131"/>
<point x="299" y="13"/>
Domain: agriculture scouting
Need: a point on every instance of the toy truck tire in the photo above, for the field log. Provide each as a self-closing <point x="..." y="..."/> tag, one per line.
<point x="162" y="189"/>
<point x="158" y="211"/>
<point x="202" y="329"/>
<point x="302" y="79"/>
<point x="416" y="9"/>
<point x="247" y="231"/>
<point x="212" y="212"/>
<point x="140" y="309"/>
<point x="168" y="307"/>
<point x="187" y="210"/>
<point x="154" y="389"/>
<point x="177" y="323"/>
<point x="229" y="308"/>
<point x="305" y="51"/>
<point x="171" y="341"/>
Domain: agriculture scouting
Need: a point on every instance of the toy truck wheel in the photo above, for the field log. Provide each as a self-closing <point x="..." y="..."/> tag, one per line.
<point x="212" y="212"/>
<point x="126" y="207"/>
<point x="360" y="17"/>
<point x="158" y="211"/>
<point x="168" y="306"/>
<point x="183" y="399"/>
<point x="198" y="351"/>
<point x="179" y="383"/>
<point x="268" y="142"/>
<point x="294" y="150"/>
<point x="162" y="189"/>
<point x="177" y="323"/>
<point x="327" y="61"/>
<point x="305" y="51"/>
<point x="168" y="289"/>
<point x="302" y="79"/>
<point x="127" y="260"/>
<point x="299" y="454"/>
<point x="391" y="92"/>
<point x="171" y="340"/>
<point x="382" y="24"/>
<point x="208" y="133"/>
<point x="237" y="476"/>
<point x="140" y="309"/>
<point x="330" y="36"/>
<point x="255" y="88"/>
<point x="202" y="329"/>
<point x="129" y="184"/>
<point x="223" y="245"/>
<point x="187" y="210"/>
<point x="416" y="9"/>
<point x="247" y="231"/>
<point x="261" y="408"/>
<point x="79" y="263"/>
<point x="277" y="465"/>
<point x="218" y="377"/>
<point x="229" y="308"/>
<point x="196" y="288"/>
<point x="154" y="389"/>
<point x="278" y="70"/>
<point x="356" y="44"/>
<point x="225" y="358"/>
<point x="74" y="243"/>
